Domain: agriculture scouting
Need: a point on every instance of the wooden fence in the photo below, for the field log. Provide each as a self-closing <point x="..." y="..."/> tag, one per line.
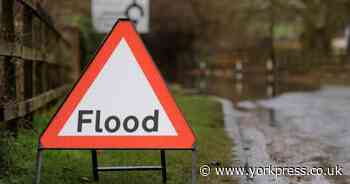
<point x="35" y="60"/>
<point x="251" y="75"/>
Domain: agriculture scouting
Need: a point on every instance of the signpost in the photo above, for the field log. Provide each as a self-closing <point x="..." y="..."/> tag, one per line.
<point x="106" y="12"/>
<point x="120" y="102"/>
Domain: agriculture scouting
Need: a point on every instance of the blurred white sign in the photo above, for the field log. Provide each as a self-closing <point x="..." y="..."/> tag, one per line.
<point x="106" y="12"/>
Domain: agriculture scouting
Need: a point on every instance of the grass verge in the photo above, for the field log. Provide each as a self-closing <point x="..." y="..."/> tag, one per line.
<point x="73" y="167"/>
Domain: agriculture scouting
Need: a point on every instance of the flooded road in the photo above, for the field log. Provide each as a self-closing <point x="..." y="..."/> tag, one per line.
<point x="310" y="129"/>
<point x="253" y="86"/>
<point x="303" y="126"/>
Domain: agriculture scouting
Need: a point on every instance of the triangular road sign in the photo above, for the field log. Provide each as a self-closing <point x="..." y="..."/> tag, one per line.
<point x="120" y="102"/>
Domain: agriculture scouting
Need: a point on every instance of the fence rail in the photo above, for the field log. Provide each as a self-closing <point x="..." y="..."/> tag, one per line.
<point x="35" y="59"/>
<point x="254" y="75"/>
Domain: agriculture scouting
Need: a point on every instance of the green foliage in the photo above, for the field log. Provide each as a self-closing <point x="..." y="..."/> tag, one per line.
<point x="90" y="39"/>
<point x="5" y="140"/>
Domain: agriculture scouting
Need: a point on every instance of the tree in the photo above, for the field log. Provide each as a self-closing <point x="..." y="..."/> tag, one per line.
<point x="321" y="21"/>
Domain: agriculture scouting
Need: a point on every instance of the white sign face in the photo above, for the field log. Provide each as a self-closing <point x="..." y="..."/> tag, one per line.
<point x="120" y="88"/>
<point x="106" y="12"/>
<point x="120" y="101"/>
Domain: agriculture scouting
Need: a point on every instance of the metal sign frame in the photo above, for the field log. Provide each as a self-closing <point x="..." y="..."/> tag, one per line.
<point x="96" y="169"/>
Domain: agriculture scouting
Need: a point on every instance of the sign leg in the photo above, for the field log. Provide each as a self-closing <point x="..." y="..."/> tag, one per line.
<point x="163" y="162"/>
<point x="94" y="164"/>
<point x="194" y="166"/>
<point x="39" y="159"/>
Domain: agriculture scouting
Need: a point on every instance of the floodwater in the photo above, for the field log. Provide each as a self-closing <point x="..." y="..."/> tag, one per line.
<point x="253" y="86"/>
<point x="310" y="129"/>
<point x="301" y="127"/>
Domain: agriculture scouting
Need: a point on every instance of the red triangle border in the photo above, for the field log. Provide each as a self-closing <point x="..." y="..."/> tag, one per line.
<point x="122" y="29"/>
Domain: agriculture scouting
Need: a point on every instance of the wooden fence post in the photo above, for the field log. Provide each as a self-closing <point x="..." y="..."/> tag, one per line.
<point x="2" y="65"/>
<point x="239" y="76"/>
<point x="19" y="80"/>
<point x="44" y="76"/>
<point x="24" y="67"/>
<point x="7" y="37"/>
<point x="7" y="32"/>
<point x="271" y="78"/>
<point x="38" y="40"/>
<point x="202" y="77"/>
<point x="35" y="88"/>
<point x="2" y="88"/>
<point x="27" y="72"/>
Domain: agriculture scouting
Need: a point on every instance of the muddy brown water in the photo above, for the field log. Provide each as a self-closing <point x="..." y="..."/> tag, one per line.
<point x="253" y="87"/>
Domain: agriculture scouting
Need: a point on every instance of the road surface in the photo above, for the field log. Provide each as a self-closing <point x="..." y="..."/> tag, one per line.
<point x="308" y="129"/>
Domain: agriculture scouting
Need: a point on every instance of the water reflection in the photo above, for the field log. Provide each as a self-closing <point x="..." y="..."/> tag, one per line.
<point x="251" y="87"/>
